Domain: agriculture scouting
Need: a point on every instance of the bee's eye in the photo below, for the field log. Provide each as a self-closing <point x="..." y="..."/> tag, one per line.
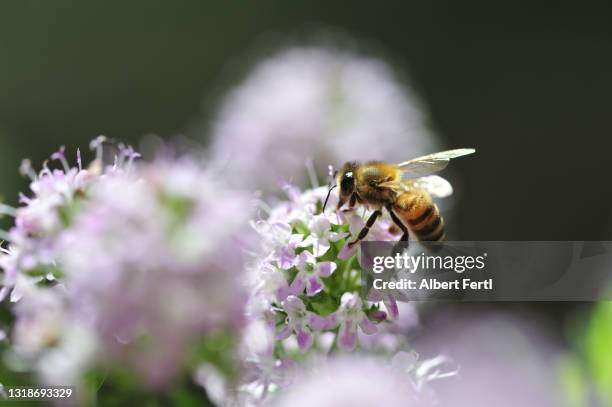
<point x="347" y="183"/>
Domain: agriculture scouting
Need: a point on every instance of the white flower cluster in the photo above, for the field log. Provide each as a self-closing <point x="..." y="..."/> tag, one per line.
<point x="306" y="300"/>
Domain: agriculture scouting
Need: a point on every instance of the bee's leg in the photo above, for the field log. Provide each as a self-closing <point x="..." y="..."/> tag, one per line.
<point x="351" y="204"/>
<point x="399" y="224"/>
<point x="364" y="231"/>
<point x="398" y="247"/>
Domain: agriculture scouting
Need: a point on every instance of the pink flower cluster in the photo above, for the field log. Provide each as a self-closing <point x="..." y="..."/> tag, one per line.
<point x="130" y="262"/>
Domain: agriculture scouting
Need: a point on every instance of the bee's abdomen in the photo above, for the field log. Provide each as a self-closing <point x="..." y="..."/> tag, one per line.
<point x="422" y="216"/>
<point x="430" y="225"/>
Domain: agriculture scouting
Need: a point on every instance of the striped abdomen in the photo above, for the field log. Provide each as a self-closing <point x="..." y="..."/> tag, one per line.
<point x="421" y="215"/>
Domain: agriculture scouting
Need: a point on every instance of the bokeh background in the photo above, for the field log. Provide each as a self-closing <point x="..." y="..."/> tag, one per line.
<point x="528" y="84"/>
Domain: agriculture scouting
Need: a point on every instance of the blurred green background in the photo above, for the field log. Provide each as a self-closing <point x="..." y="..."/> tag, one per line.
<point x="527" y="84"/>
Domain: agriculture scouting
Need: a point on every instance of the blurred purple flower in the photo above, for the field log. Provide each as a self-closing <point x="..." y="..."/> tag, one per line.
<point x="40" y="317"/>
<point x="351" y="381"/>
<point x="129" y="264"/>
<point x="153" y="262"/>
<point x="497" y="354"/>
<point x="316" y="103"/>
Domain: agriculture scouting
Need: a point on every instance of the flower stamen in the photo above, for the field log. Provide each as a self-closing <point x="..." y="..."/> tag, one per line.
<point x="7" y="210"/>
<point x="25" y="169"/>
<point x="61" y="157"/>
<point x="97" y="145"/>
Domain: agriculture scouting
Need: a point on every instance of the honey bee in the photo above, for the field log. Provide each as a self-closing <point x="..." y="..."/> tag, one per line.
<point x="405" y="190"/>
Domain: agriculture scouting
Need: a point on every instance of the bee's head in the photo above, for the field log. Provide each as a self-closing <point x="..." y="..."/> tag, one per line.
<point x="346" y="180"/>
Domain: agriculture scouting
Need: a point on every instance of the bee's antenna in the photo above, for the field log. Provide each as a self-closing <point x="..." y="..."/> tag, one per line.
<point x="327" y="197"/>
<point x="332" y="175"/>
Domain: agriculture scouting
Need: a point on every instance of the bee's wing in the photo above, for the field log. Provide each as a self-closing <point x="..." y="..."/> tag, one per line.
<point x="428" y="164"/>
<point x="435" y="185"/>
